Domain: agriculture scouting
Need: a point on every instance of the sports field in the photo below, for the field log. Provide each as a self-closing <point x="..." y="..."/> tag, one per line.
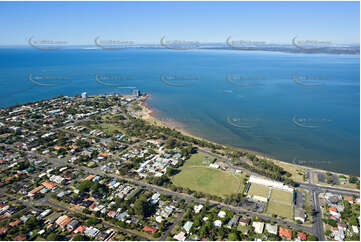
<point x="258" y="190"/>
<point x="197" y="176"/>
<point x="281" y="203"/>
<point x="282" y="196"/>
<point x="274" y="207"/>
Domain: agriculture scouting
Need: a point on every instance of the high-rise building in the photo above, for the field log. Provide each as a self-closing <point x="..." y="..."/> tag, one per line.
<point x="136" y="93"/>
<point x="84" y="95"/>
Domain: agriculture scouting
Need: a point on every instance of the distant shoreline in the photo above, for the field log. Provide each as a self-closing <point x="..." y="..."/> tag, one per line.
<point x="290" y="49"/>
<point x="150" y="116"/>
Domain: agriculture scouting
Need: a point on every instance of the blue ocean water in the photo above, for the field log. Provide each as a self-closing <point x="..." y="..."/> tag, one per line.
<point x="301" y="108"/>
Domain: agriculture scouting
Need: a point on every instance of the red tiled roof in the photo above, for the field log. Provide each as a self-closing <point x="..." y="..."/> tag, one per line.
<point x="20" y="237"/>
<point x="48" y="184"/>
<point x="15" y="223"/>
<point x="333" y="209"/>
<point x="284" y="232"/>
<point x="90" y="177"/>
<point x="65" y="222"/>
<point x="301" y="236"/>
<point x="103" y="154"/>
<point x="349" y="199"/>
<point x="3" y="230"/>
<point x="9" y="178"/>
<point x="92" y="206"/>
<point x="80" y="229"/>
<point x="36" y="190"/>
<point x="150" y="229"/>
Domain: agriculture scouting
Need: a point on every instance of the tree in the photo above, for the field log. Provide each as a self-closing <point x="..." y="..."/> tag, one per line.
<point x="85" y="186"/>
<point x="92" y="221"/>
<point x="233" y="236"/>
<point x="80" y="238"/>
<point x="31" y="224"/>
<point x="142" y="207"/>
<point x="156" y="235"/>
<point x="53" y="237"/>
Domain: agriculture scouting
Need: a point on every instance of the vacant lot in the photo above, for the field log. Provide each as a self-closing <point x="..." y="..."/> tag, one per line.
<point x="258" y="190"/>
<point x="197" y="176"/>
<point x="296" y="171"/>
<point x="107" y="128"/>
<point x="282" y="196"/>
<point x="280" y="209"/>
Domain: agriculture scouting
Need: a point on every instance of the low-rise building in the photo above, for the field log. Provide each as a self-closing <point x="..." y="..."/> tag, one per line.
<point x="301" y="236"/>
<point x="244" y="221"/>
<point x="272" y="229"/>
<point x="180" y="237"/>
<point x="222" y="214"/>
<point x="233" y="221"/>
<point x="91" y="231"/>
<point x="197" y="208"/>
<point x="258" y="227"/>
<point x="300" y="215"/>
<point x="285" y="233"/>
<point x="187" y="226"/>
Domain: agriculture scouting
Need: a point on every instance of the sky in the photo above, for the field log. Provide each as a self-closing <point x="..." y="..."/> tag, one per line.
<point x="79" y="23"/>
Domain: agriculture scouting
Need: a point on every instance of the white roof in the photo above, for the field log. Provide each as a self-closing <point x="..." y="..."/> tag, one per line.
<point x="272" y="229"/>
<point x="198" y="208"/>
<point x="217" y="223"/>
<point x="222" y="214"/>
<point x="258" y="227"/>
<point x="180" y="236"/>
<point x="187" y="226"/>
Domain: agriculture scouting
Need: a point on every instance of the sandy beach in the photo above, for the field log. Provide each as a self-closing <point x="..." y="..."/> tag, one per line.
<point x="149" y="116"/>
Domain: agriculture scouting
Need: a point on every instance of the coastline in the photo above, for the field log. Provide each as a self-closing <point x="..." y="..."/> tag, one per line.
<point x="149" y="115"/>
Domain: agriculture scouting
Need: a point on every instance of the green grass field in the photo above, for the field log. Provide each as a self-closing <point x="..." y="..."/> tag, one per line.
<point x="282" y="196"/>
<point x="197" y="176"/>
<point x="197" y="160"/>
<point x="109" y="129"/>
<point x="279" y="209"/>
<point x="207" y="180"/>
<point x="258" y="190"/>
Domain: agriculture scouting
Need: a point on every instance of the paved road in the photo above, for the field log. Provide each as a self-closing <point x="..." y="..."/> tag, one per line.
<point x="198" y="200"/>
<point x="317" y="228"/>
<point x="317" y="218"/>
<point x="47" y="202"/>
<point x="165" y="236"/>
<point x="342" y="191"/>
<point x="314" y="190"/>
<point x="301" y="184"/>
<point x="186" y="197"/>
<point x="31" y="204"/>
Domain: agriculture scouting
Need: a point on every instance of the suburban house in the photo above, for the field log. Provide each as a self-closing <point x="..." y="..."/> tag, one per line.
<point x="258" y="227"/>
<point x="272" y="229"/>
<point x="286" y="233"/>
<point x="187" y="226"/>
